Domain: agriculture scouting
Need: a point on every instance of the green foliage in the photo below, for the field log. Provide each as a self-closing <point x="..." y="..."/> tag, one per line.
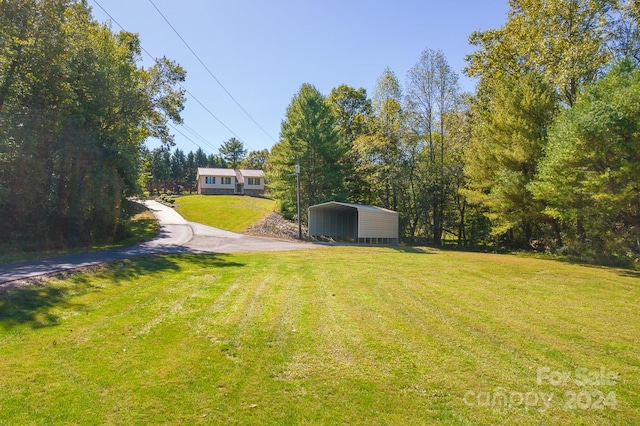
<point x="352" y="109"/>
<point x="256" y="160"/>
<point x="233" y="152"/>
<point x="201" y="158"/>
<point x="380" y="149"/>
<point x="141" y="226"/>
<point x="526" y="71"/>
<point x="176" y="172"/>
<point x="308" y="135"/>
<point x="565" y="41"/>
<point x="591" y="173"/>
<point x="432" y="104"/>
<point x="409" y="154"/>
<point x="508" y="139"/>
<point x="74" y="112"/>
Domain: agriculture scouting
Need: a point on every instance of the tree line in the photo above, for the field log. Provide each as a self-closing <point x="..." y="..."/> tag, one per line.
<point x="401" y="149"/>
<point x="75" y="109"/>
<point x="545" y="154"/>
<point x="167" y="171"/>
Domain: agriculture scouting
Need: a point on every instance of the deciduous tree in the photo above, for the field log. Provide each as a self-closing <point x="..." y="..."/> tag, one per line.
<point x="75" y="111"/>
<point x="565" y="41"/>
<point x="379" y="151"/>
<point x="432" y="97"/>
<point x="256" y="160"/>
<point x="352" y="109"/>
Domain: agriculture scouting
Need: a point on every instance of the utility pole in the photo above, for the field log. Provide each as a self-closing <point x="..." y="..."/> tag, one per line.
<point x="298" y="195"/>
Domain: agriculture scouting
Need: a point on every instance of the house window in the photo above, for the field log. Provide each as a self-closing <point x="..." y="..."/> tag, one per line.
<point x="225" y="180"/>
<point x="210" y="180"/>
<point x="253" y="181"/>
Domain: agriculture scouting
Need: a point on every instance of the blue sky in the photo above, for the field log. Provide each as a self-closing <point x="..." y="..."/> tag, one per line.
<point x="263" y="51"/>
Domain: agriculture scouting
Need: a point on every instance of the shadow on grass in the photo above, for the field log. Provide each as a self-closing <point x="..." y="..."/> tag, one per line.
<point x="413" y="250"/>
<point x="33" y="303"/>
<point x="630" y="274"/>
<point x="624" y="268"/>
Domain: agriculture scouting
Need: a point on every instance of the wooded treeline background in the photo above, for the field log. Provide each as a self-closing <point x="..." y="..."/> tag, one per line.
<point x="544" y="155"/>
<point x="175" y="172"/>
<point x="75" y="109"/>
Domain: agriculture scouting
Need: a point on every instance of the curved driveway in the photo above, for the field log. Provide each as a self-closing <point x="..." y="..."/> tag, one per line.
<point x="177" y="235"/>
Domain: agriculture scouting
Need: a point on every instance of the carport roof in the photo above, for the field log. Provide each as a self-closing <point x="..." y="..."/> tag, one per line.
<point x="350" y="205"/>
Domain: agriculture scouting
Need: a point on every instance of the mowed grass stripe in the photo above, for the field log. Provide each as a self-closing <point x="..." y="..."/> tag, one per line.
<point x="340" y="335"/>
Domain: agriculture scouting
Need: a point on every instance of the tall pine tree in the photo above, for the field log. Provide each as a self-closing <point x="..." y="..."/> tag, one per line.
<point x="308" y="135"/>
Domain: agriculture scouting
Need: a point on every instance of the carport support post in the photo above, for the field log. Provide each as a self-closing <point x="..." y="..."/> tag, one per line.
<point x="298" y="197"/>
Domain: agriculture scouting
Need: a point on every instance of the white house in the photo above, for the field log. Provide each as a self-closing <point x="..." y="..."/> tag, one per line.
<point x="230" y="182"/>
<point x="252" y="180"/>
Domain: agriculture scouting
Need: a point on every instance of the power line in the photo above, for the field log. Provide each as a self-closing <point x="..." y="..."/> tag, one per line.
<point x="186" y="91"/>
<point x="210" y="72"/>
<point x="197" y="135"/>
<point x="184" y="136"/>
<point x="214" y="116"/>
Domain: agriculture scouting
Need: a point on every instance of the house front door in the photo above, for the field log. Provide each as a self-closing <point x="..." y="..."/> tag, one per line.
<point x="239" y="189"/>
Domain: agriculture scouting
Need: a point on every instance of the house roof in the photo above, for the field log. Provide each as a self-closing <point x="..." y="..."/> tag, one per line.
<point x="252" y="172"/>
<point x="338" y="205"/>
<point x="205" y="171"/>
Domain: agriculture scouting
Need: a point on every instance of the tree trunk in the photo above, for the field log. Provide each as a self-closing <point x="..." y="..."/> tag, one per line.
<point x="581" y="232"/>
<point x="462" y="238"/>
<point x="557" y="233"/>
<point x="4" y="89"/>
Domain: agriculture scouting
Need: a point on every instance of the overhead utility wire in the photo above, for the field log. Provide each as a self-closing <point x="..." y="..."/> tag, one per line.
<point x="213" y="115"/>
<point x="184" y="88"/>
<point x="211" y="73"/>
<point x="184" y="136"/>
<point x="194" y="133"/>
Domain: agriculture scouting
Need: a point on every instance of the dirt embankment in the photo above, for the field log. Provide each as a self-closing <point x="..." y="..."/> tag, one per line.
<point x="275" y="226"/>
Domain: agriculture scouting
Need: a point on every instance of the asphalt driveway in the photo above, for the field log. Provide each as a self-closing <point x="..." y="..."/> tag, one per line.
<point x="177" y="235"/>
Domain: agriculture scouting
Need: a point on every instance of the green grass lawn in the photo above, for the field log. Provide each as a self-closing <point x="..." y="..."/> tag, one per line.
<point x="229" y="212"/>
<point x="328" y="336"/>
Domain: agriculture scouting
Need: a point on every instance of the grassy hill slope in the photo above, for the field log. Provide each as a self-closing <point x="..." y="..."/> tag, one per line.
<point x="228" y="212"/>
<point x="331" y="336"/>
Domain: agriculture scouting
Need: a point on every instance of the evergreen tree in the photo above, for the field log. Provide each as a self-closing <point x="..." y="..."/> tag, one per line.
<point x="508" y="140"/>
<point x="526" y="71"/>
<point x="233" y="152"/>
<point x="201" y="158"/>
<point x="216" y="161"/>
<point x="591" y="172"/>
<point x="191" y="171"/>
<point x="178" y="169"/>
<point x="308" y="136"/>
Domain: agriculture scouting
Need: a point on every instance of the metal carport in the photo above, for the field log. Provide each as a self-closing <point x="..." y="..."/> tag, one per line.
<point x="353" y="223"/>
